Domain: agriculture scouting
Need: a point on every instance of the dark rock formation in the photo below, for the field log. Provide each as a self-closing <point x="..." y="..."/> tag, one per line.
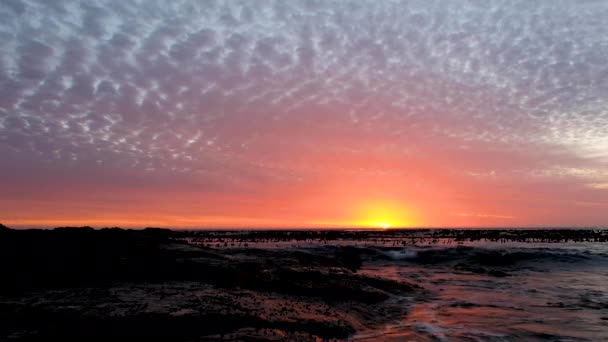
<point x="84" y="284"/>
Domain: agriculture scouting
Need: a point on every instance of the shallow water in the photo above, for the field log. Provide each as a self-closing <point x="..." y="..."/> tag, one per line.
<point x="493" y="292"/>
<point x="484" y="290"/>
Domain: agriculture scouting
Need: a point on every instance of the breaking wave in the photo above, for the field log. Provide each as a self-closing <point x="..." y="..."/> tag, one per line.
<point x="479" y="255"/>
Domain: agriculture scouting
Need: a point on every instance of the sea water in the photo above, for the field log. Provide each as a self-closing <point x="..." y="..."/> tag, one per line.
<point x="499" y="292"/>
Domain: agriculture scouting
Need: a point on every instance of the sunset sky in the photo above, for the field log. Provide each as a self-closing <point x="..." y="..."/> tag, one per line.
<point x="308" y="113"/>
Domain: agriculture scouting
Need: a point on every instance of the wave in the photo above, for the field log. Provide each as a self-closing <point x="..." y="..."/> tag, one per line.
<point x="478" y="255"/>
<point x="402" y="254"/>
<point x="433" y="331"/>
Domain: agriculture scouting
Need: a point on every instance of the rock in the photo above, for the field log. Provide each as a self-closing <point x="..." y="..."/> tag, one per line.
<point x="84" y="284"/>
<point x="349" y="257"/>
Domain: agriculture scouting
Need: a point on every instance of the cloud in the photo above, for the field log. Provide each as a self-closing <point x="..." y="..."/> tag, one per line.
<point x="260" y="90"/>
<point x="599" y="186"/>
<point x="481" y="215"/>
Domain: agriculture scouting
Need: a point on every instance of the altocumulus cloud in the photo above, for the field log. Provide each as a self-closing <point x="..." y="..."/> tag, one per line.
<point x="202" y="86"/>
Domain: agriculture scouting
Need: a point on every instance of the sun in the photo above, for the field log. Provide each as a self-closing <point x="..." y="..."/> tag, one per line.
<point x="384" y="215"/>
<point x="384" y="225"/>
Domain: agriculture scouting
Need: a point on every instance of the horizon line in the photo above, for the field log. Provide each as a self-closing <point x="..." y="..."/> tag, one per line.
<point x="287" y="228"/>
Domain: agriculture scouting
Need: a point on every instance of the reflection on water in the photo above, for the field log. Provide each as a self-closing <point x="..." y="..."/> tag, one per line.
<point x="483" y="285"/>
<point x="545" y="293"/>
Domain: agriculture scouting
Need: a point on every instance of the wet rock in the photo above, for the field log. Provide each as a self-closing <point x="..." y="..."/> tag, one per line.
<point x="83" y="284"/>
<point x="350" y="257"/>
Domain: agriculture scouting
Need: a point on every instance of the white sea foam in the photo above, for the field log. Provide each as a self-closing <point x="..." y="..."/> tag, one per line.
<point x="432" y="330"/>
<point x="402" y="254"/>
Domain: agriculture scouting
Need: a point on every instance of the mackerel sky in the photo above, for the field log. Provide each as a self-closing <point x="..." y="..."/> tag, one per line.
<point x="296" y="113"/>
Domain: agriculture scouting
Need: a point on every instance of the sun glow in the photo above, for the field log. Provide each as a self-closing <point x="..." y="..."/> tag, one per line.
<point x="384" y="215"/>
<point x="384" y="225"/>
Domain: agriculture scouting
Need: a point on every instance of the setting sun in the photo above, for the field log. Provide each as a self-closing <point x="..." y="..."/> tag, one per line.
<point x="384" y="214"/>
<point x="384" y="225"/>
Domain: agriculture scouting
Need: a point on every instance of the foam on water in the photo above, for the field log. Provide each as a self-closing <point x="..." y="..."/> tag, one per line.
<point x="484" y="290"/>
<point x="500" y="293"/>
<point x="402" y="254"/>
<point x="433" y="331"/>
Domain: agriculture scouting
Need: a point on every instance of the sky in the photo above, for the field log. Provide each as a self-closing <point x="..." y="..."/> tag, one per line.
<point x="303" y="113"/>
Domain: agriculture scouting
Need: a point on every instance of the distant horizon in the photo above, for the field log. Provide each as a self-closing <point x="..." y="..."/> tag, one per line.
<point x="288" y="228"/>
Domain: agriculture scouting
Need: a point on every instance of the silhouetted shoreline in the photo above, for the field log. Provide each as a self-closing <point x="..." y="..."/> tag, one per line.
<point x="74" y="283"/>
<point x="82" y="283"/>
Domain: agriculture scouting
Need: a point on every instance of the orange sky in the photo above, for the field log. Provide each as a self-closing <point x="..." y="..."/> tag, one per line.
<point x="316" y="189"/>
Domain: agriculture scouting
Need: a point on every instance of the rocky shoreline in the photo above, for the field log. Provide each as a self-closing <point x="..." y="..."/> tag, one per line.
<point x="99" y="284"/>
<point x="74" y="284"/>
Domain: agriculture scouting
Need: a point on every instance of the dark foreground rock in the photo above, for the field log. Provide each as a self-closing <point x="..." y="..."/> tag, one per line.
<point x="85" y="284"/>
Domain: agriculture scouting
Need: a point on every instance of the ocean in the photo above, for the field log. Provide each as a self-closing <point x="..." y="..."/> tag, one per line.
<point x="514" y="289"/>
<point x="74" y="284"/>
<point x="497" y="292"/>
